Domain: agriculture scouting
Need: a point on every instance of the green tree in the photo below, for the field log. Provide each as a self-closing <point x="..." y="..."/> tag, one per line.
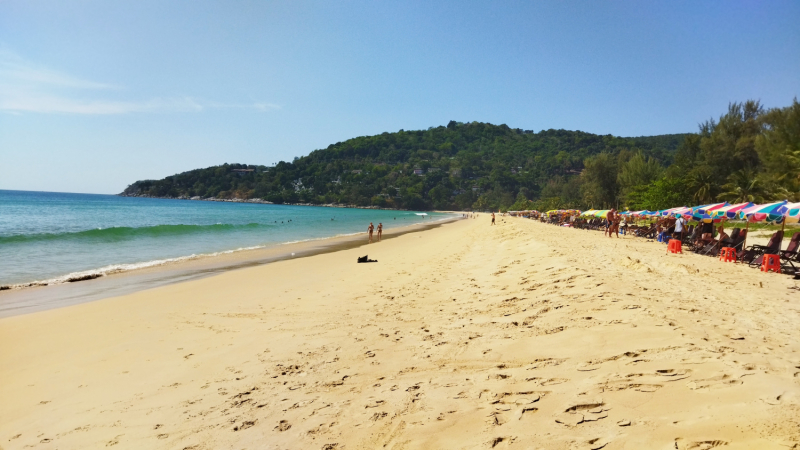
<point x="599" y="181"/>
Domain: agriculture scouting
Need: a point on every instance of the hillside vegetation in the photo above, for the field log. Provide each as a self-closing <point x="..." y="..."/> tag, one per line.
<point x="748" y="153"/>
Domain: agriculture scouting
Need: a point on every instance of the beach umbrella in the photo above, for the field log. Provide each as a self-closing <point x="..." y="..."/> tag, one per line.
<point x="671" y="211"/>
<point x="792" y="214"/>
<point x="704" y="209"/>
<point x="769" y="212"/>
<point x="703" y="213"/>
<point x="602" y="213"/>
<point x="730" y="211"/>
<point x="681" y="210"/>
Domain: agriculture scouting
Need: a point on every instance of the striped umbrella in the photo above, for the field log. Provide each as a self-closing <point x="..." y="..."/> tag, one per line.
<point x="792" y="214"/>
<point x="730" y="211"/>
<point x="681" y="211"/>
<point x="670" y="211"/>
<point x="703" y="213"/>
<point x="770" y="212"/>
<point x="602" y="213"/>
<point x="704" y="209"/>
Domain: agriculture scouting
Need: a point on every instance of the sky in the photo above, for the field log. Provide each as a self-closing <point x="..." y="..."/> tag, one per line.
<point x="95" y="95"/>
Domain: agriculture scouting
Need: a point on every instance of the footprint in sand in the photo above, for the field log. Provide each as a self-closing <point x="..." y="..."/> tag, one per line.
<point x="246" y="424"/>
<point x="283" y="425"/>
<point x="583" y="412"/>
<point x="703" y="445"/>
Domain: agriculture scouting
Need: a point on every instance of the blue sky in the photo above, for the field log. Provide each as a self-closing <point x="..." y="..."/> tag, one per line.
<point x="96" y="94"/>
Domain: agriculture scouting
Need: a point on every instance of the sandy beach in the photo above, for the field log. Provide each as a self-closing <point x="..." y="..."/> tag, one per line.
<point x="464" y="336"/>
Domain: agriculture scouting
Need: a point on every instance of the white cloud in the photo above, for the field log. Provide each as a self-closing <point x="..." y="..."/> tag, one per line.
<point x="15" y="70"/>
<point x="27" y="88"/>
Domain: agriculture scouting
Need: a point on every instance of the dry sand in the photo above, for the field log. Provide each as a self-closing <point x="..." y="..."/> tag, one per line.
<point x="522" y="335"/>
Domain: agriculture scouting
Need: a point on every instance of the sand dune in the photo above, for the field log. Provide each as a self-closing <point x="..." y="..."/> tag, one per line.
<point x="467" y="336"/>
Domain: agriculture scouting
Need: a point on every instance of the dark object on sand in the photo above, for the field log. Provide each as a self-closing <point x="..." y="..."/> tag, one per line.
<point x="365" y="259"/>
<point x="90" y="276"/>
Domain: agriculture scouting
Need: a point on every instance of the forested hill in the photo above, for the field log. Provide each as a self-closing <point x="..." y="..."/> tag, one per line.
<point x="461" y="166"/>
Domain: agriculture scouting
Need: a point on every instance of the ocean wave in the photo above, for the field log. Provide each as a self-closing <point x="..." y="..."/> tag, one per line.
<point x="118" y="234"/>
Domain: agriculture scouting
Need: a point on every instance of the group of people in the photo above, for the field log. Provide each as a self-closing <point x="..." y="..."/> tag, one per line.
<point x="371" y="228"/>
<point x="667" y="228"/>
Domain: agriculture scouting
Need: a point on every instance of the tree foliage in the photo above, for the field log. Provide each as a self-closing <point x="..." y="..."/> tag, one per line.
<point x="464" y="166"/>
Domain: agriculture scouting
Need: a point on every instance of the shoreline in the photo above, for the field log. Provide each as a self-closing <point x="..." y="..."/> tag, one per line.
<point x="26" y="298"/>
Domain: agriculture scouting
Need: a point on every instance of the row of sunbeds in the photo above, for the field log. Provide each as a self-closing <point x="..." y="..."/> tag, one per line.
<point x="692" y="239"/>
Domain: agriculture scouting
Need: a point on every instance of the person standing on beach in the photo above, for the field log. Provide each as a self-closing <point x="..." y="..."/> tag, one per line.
<point x="679" y="224"/>
<point x="380" y="230"/>
<point x="492" y="218"/>
<point x="371" y="227"/>
<point x="615" y="225"/>
<point x="611" y="217"/>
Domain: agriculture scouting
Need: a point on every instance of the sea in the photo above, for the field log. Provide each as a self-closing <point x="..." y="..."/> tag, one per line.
<point x="51" y="238"/>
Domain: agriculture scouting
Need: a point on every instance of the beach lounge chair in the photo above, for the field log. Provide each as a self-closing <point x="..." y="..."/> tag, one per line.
<point x="739" y="241"/>
<point x="692" y="235"/>
<point x="715" y="246"/>
<point x="791" y="255"/>
<point x="647" y="232"/>
<point x="772" y="248"/>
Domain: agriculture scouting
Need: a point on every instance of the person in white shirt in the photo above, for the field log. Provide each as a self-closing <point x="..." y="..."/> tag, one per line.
<point x="679" y="225"/>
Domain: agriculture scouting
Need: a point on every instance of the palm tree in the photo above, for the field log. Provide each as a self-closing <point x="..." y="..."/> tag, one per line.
<point x="701" y="183"/>
<point x="747" y="186"/>
<point x="743" y="186"/>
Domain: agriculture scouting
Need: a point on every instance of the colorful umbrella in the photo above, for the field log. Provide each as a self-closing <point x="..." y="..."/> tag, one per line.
<point x="730" y="211"/>
<point x="683" y="210"/>
<point x="704" y="209"/>
<point x="770" y="212"/>
<point x="792" y="214"/>
<point x="671" y="211"/>
<point x="602" y="213"/>
<point x="703" y="213"/>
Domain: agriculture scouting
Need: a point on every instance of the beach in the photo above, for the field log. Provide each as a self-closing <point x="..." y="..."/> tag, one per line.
<point x="463" y="336"/>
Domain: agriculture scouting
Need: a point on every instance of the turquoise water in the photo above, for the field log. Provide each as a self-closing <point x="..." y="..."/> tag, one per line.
<point x="50" y="237"/>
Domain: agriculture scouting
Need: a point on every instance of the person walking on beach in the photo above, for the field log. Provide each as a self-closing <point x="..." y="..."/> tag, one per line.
<point x="380" y="230"/>
<point x="492" y="218"/>
<point x="371" y="227"/>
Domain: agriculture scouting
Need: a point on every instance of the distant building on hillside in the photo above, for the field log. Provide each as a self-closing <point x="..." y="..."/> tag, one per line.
<point x="455" y="173"/>
<point x="434" y="170"/>
<point x="419" y="171"/>
<point x="357" y="172"/>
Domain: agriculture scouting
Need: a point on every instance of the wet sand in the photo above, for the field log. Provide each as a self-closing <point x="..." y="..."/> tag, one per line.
<point x="521" y="335"/>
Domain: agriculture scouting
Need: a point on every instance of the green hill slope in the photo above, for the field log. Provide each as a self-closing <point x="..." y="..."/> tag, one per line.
<point x="460" y="166"/>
